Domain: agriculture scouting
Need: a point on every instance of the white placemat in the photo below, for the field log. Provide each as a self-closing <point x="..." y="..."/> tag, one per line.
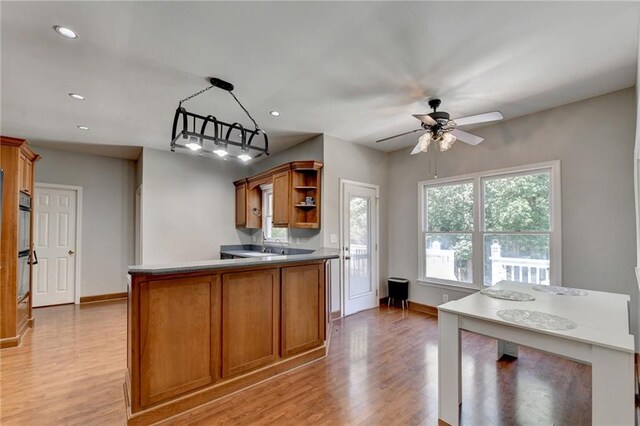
<point x="560" y="291"/>
<point x="517" y="296"/>
<point x="535" y="319"/>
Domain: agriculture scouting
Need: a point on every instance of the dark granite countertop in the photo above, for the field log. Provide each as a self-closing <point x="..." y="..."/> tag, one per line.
<point x="204" y="265"/>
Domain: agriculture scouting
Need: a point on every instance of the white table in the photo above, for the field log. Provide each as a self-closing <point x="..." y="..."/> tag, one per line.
<point x="601" y="339"/>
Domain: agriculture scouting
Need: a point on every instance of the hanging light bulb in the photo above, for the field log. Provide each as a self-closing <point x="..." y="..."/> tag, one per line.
<point x="244" y="156"/>
<point x="447" y="141"/>
<point x="221" y="149"/>
<point x="194" y="144"/>
<point x="424" y="141"/>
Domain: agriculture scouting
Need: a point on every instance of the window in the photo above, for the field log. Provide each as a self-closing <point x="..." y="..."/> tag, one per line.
<point x="271" y="233"/>
<point x="483" y="228"/>
<point x="448" y="240"/>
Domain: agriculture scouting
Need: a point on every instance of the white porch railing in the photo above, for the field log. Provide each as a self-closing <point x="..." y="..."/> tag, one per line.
<point x="441" y="264"/>
<point x="534" y="271"/>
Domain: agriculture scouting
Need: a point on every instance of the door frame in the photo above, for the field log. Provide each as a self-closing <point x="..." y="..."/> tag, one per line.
<point x="78" y="190"/>
<point x="376" y="231"/>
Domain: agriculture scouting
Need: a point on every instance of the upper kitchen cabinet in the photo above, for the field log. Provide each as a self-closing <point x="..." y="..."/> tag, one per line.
<point x="305" y="184"/>
<point x="281" y="197"/>
<point x="248" y="200"/>
<point x="296" y="196"/>
<point x="25" y="170"/>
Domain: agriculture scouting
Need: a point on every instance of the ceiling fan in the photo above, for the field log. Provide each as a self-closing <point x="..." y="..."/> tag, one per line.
<point x="441" y="129"/>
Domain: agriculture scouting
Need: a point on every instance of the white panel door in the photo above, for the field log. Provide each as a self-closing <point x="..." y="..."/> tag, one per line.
<point x="359" y="240"/>
<point x="55" y="244"/>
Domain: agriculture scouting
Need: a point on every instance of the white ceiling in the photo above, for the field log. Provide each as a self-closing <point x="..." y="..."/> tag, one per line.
<point x="356" y="71"/>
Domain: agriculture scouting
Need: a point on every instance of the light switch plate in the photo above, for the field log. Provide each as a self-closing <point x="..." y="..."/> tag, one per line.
<point x="333" y="238"/>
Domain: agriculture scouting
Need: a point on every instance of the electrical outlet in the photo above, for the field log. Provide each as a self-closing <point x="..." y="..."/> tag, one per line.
<point x="333" y="238"/>
<point x="445" y="298"/>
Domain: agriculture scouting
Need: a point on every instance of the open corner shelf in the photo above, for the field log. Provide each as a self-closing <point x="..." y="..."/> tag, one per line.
<point x="305" y="181"/>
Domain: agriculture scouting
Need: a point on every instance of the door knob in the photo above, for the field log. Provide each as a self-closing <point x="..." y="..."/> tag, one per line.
<point x="347" y="257"/>
<point x="71" y="252"/>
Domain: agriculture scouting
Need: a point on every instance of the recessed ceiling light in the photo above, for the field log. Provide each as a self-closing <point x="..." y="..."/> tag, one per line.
<point x="274" y="113"/>
<point x="66" y="32"/>
<point x="76" y="96"/>
<point x="83" y="128"/>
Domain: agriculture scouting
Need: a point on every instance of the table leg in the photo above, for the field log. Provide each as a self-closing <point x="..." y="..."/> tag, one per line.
<point x="613" y="393"/>
<point x="449" y="363"/>
<point x="506" y="348"/>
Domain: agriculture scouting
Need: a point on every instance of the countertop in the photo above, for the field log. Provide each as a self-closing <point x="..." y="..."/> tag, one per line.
<point x="205" y="265"/>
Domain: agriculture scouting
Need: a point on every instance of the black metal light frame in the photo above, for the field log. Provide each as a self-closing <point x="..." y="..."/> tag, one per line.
<point x="222" y="131"/>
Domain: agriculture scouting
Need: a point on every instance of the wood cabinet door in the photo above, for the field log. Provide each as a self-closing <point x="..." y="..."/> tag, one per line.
<point x="180" y="343"/>
<point x="28" y="176"/>
<point x="302" y="308"/>
<point x="241" y="205"/>
<point x="281" y="198"/>
<point x="250" y="319"/>
<point x="24" y="173"/>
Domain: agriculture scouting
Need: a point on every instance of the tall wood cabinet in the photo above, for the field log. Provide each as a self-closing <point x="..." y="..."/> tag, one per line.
<point x="17" y="162"/>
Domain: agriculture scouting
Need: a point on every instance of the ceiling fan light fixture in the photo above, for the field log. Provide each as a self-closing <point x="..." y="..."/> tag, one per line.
<point x="447" y="141"/>
<point x="425" y="141"/>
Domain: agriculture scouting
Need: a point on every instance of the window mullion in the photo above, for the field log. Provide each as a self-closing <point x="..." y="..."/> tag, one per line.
<point x="477" y="244"/>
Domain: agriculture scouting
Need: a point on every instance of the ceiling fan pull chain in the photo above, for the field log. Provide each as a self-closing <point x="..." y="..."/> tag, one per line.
<point x="435" y="161"/>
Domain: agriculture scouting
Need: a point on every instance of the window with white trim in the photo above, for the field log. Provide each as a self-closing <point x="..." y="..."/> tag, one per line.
<point x="270" y="233"/>
<point x="486" y="227"/>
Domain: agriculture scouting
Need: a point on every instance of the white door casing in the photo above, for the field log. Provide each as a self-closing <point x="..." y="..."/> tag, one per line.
<point x="359" y="246"/>
<point x="56" y="235"/>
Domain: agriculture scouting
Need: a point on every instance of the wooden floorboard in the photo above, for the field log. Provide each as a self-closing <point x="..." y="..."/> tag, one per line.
<point x="381" y="370"/>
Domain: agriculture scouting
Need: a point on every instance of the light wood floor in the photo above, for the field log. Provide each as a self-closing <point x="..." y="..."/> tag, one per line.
<point x="381" y="370"/>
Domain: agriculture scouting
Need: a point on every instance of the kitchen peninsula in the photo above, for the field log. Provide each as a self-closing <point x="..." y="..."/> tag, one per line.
<point x="200" y="330"/>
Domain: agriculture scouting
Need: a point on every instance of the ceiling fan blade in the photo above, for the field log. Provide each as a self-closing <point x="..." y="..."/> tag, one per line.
<point x="417" y="149"/>
<point x="466" y="137"/>
<point x="479" y="118"/>
<point x="426" y="119"/>
<point x="397" y="136"/>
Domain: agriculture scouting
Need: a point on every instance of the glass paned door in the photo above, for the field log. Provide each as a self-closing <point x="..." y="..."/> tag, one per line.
<point x="359" y="240"/>
<point x="360" y="246"/>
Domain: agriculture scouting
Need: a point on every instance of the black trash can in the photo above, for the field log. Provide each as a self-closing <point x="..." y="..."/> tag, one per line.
<point x="398" y="289"/>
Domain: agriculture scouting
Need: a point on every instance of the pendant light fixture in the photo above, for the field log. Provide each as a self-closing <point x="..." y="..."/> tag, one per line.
<point x="217" y="137"/>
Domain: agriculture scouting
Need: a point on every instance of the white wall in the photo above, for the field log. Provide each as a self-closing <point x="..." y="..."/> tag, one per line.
<point x="107" y="213"/>
<point x="188" y="206"/>
<point x="345" y="160"/>
<point x="594" y="140"/>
